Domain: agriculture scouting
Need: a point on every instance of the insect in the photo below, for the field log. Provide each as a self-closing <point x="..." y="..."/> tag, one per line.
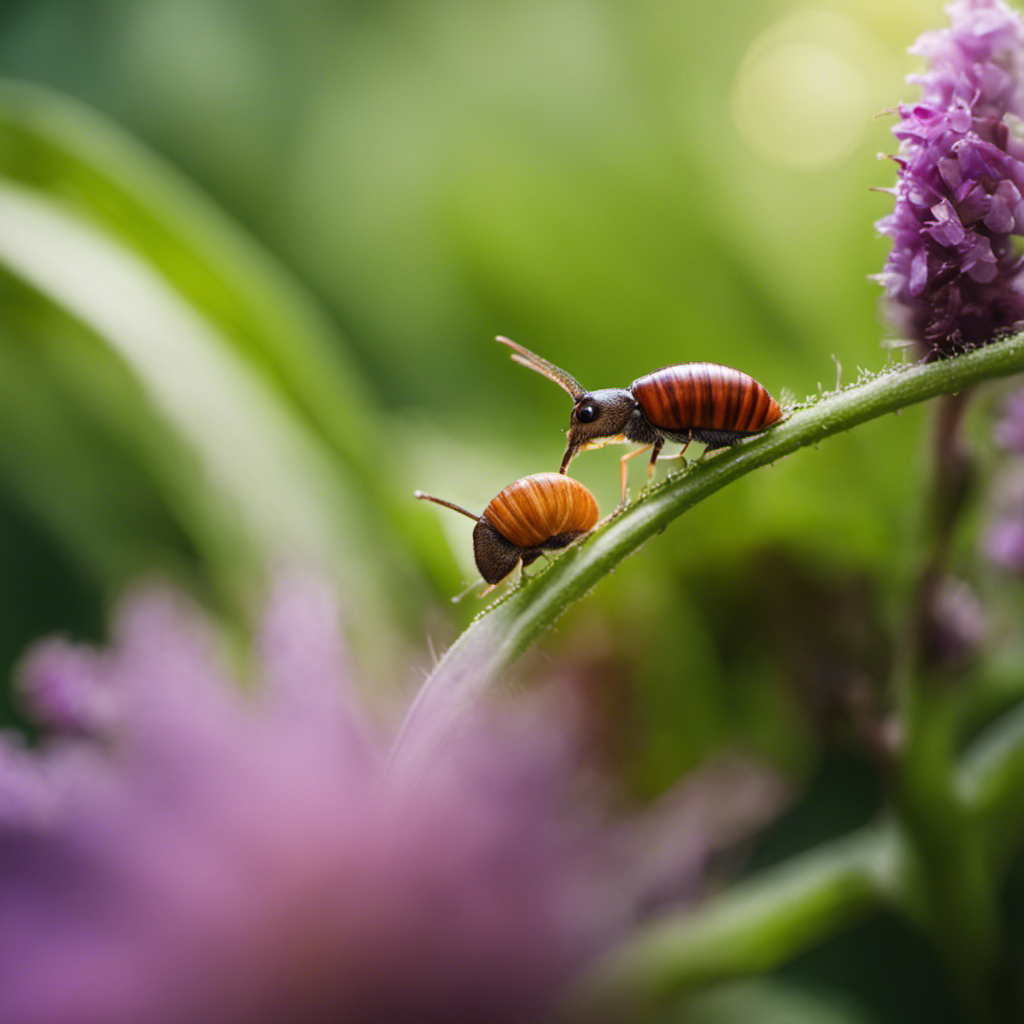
<point x="538" y="513"/>
<point x="689" y="401"/>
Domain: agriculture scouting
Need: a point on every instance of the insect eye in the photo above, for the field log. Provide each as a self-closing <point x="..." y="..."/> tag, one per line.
<point x="586" y="413"/>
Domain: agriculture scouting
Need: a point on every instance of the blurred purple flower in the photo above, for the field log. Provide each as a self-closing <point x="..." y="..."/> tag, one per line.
<point x="1009" y="428"/>
<point x="1003" y="541"/>
<point x="182" y="850"/>
<point x="956" y="630"/>
<point x="953" y="278"/>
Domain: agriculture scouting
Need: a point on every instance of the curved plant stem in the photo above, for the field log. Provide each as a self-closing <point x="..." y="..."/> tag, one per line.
<point x="754" y="926"/>
<point x="768" y="918"/>
<point x="990" y="784"/>
<point x="499" y="636"/>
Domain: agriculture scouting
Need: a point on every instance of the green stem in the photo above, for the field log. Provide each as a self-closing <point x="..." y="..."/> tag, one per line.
<point x="948" y="889"/>
<point x="752" y="927"/>
<point x="948" y="886"/>
<point x="990" y="784"/>
<point x="498" y="637"/>
<point x="768" y="918"/>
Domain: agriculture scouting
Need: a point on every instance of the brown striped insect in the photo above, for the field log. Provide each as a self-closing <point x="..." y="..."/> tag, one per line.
<point x="706" y="402"/>
<point x="543" y="512"/>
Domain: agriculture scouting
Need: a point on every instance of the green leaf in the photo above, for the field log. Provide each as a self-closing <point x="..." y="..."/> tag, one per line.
<point x="161" y="361"/>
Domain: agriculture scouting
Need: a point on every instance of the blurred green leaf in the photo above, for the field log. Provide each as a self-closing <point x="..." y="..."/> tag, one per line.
<point x="175" y="400"/>
<point x="767" y="1002"/>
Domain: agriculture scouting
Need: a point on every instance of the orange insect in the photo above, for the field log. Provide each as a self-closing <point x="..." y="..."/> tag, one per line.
<point x="707" y="402"/>
<point x="538" y="513"/>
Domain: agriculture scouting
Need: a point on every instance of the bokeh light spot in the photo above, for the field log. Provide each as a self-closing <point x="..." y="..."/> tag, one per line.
<point x="807" y="88"/>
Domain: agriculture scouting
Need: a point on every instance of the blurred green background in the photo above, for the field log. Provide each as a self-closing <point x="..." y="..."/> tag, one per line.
<point x="253" y="256"/>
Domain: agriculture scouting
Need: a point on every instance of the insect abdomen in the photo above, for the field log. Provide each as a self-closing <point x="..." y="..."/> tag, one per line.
<point x="705" y="396"/>
<point x="536" y="508"/>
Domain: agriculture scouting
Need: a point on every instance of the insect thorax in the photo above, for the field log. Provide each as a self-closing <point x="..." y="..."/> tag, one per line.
<point x="639" y="429"/>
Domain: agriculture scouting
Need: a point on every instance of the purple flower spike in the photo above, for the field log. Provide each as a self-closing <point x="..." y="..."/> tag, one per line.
<point x="180" y="849"/>
<point x="953" y="279"/>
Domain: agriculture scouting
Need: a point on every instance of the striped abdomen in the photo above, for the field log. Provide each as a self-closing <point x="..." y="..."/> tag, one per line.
<point x="704" y="397"/>
<point x="531" y="511"/>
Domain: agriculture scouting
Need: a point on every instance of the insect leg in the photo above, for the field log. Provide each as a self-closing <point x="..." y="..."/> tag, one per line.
<point x="624" y="469"/>
<point x="677" y="457"/>
<point x="680" y="455"/>
<point x="654" y="457"/>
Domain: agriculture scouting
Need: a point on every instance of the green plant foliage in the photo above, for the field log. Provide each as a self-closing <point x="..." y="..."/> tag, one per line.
<point x="207" y="425"/>
<point x="252" y="257"/>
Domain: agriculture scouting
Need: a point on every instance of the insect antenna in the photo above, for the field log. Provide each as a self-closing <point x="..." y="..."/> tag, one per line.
<point x="447" y="504"/>
<point x="524" y="357"/>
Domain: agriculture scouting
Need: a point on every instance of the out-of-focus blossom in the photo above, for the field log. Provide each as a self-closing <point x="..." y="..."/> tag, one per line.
<point x="953" y="278"/>
<point x="180" y="848"/>
<point x="1009" y="429"/>
<point x="1003" y="541"/>
<point x="956" y="629"/>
